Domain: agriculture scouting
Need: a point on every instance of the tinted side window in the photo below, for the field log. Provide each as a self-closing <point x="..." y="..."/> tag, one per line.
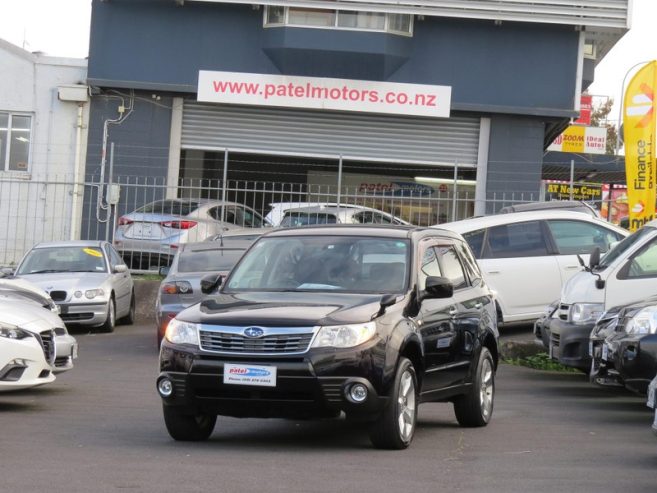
<point x="476" y="241"/>
<point x="516" y="240"/>
<point x="572" y="237"/>
<point x="428" y="267"/>
<point x="451" y="266"/>
<point x="469" y="264"/>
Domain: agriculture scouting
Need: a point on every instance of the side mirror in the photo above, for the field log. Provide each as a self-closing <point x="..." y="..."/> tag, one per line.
<point x="121" y="268"/>
<point x="6" y="272"/>
<point x="594" y="261"/>
<point x="164" y="271"/>
<point x="438" y="287"/>
<point x="210" y="283"/>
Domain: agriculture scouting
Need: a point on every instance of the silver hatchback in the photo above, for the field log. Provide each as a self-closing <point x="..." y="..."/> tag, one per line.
<point x="88" y="280"/>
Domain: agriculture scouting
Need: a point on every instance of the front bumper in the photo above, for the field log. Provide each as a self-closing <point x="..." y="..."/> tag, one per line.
<point x="25" y="368"/>
<point x="66" y="351"/>
<point x="91" y="314"/>
<point x="315" y="384"/>
<point x="569" y="343"/>
<point x="635" y="360"/>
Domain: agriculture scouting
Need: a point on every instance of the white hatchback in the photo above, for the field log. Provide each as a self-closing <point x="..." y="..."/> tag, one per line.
<point x="526" y="257"/>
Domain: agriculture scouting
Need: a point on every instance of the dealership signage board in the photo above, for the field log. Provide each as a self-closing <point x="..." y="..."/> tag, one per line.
<point x="586" y="140"/>
<point x="585" y="107"/>
<point x="589" y="192"/>
<point x="324" y="93"/>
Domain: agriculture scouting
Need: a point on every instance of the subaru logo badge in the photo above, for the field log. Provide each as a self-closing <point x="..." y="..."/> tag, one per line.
<point x="254" y="332"/>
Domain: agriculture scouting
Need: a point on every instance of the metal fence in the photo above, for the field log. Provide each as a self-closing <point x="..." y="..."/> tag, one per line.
<point x="57" y="208"/>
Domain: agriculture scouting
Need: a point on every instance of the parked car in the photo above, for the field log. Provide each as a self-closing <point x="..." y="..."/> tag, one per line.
<point x="623" y="346"/>
<point x="366" y="320"/>
<point x="27" y="290"/>
<point x="27" y="349"/>
<point x="87" y="279"/>
<point x="19" y="292"/>
<point x="526" y="257"/>
<point x="181" y="287"/>
<point x="306" y="216"/>
<point x="151" y="234"/>
<point x="623" y="275"/>
<point x="652" y="401"/>
<point x="562" y="205"/>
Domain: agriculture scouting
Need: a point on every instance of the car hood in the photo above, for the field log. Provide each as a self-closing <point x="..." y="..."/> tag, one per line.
<point x="28" y="315"/>
<point x="283" y="309"/>
<point x="67" y="281"/>
<point x="581" y="289"/>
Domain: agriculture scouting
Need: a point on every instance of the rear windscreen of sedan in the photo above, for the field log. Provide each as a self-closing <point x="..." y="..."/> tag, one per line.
<point x="208" y="260"/>
<point x="171" y="207"/>
<point x="324" y="263"/>
<point x="307" y="218"/>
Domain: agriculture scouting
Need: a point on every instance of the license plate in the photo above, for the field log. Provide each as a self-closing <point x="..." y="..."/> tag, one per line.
<point x="605" y="352"/>
<point x="554" y="351"/>
<point x="142" y="230"/>
<point x="263" y="376"/>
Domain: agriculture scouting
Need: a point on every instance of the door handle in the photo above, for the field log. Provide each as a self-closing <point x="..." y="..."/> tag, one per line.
<point x="572" y="267"/>
<point x="452" y="311"/>
<point x="493" y="271"/>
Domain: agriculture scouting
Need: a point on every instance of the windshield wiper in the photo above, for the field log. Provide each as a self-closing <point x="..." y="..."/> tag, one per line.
<point x="45" y="271"/>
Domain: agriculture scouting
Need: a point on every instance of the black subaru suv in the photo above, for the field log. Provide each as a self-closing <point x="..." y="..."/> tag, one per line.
<point x="369" y="321"/>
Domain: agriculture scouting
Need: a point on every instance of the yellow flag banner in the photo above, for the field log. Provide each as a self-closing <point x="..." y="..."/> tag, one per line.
<point x="639" y="134"/>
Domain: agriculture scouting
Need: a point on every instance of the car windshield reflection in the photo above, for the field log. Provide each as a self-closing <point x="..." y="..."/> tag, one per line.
<point x="324" y="263"/>
<point x="63" y="259"/>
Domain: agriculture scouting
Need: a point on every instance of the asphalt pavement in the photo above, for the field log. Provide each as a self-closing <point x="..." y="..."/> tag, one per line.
<point x="98" y="428"/>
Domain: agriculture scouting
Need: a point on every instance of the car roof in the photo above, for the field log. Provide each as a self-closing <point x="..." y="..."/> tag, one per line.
<point x="201" y="246"/>
<point x="476" y="223"/>
<point x="70" y="243"/>
<point x="573" y="205"/>
<point x="321" y="208"/>
<point x="378" y="230"/>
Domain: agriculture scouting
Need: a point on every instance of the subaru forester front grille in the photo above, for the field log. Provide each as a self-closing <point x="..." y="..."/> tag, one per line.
<point x="273" y="341"/>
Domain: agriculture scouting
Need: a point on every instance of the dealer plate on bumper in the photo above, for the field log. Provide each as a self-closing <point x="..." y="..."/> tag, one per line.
<point x="264" y="376"/>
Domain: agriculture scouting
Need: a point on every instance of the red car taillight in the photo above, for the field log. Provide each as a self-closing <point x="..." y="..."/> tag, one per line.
<point x="179" y="224"/>
<point x="124" y="221"/>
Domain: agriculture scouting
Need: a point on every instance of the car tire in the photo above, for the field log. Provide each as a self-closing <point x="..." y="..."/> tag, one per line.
<point x="129" y="319"/>
<point x="475" y="408"/>
<point x="110" y="322"/>
<point x="188" y="427"/>
<point x="395" y="427"/>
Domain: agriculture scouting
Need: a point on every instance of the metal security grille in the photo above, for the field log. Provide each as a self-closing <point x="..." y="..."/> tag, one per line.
<point x="361" y="137"/>
<point x="235" y="343"/>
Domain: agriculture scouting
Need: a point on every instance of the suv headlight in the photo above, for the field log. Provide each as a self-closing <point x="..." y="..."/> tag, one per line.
<point x="179" y="332"/>
<point x="583" y="313"/>
<point x="344" y="336"/>
<point x="12" y="332"/>
<point x="644" y="322"/>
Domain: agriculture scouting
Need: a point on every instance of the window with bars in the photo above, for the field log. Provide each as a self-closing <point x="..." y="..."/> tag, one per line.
<point x="338" y="19"/>
<point x="15" y="136"/>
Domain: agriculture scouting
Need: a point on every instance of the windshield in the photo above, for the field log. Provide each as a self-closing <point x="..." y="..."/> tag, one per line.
<point x="63" y="259"/>
<point x="208" y="260"/>
<point x="623" y="246"/>
<point x="324" y="263"/>
<point x="173" y="207"/>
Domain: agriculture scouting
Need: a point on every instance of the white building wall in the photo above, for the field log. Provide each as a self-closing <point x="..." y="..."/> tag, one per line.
<point x="36" y="204"/>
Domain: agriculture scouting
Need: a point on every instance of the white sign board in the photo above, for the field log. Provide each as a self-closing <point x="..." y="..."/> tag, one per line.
<point x="579" y="139"/>
<point x="324" y="93"/>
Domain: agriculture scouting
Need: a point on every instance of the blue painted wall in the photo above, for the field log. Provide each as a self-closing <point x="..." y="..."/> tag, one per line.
<point x="513" y="68"/>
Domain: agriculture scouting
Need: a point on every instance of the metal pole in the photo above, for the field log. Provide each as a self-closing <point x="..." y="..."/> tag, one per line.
<point x="109" y="191"/>
<point x="223" y="187"/>
<point x="456" y="175"/>
<point x="339" y="181"/>
<point x="572" y="177"/>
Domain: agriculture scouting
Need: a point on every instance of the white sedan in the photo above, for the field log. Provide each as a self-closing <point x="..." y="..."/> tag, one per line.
<point x="27" y="345"/>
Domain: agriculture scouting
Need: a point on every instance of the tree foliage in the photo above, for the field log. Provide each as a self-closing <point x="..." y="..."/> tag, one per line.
<point x="600" y="118"/>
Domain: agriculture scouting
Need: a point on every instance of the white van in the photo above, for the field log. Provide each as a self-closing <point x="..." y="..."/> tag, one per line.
<point x="627" y="273"/>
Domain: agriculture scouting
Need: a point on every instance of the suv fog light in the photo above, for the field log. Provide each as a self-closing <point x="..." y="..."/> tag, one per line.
<point x="165" y="387"/>
<point x="358" y="392"/>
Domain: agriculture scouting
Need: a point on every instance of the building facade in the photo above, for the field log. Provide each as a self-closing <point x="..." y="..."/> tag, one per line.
<point x="43" y="119"/>
<point x="395" y="99"/>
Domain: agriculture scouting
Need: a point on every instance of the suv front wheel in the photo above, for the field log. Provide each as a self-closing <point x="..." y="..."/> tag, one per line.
<point x="188" y="427"/>
<point x="395" y="426"/>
